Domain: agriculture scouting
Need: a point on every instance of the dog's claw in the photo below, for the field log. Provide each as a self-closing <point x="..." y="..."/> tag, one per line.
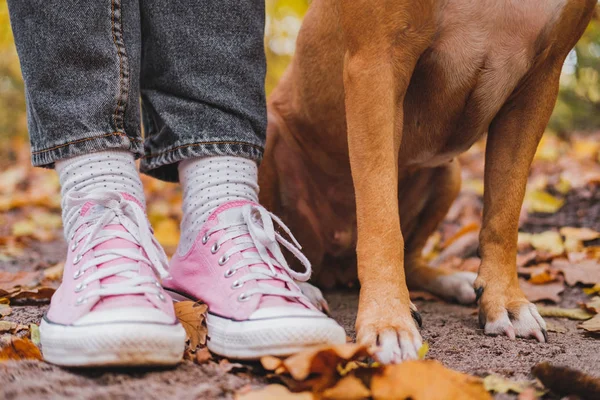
<point x="545" y="333"/>
<point x="478" y="293"/>
<point x="417" y="317"/>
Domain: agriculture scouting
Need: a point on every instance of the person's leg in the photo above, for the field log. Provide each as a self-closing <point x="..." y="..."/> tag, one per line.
<point x="80" y="63"/>
<point x="205" y="117"/>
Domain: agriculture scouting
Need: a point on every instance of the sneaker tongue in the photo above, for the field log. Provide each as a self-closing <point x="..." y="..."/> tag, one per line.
<point x="91" y="209"/>
<point x="231" y="213"/>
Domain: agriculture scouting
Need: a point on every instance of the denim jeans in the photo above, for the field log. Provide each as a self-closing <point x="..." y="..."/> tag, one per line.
<point x="198" y="66"/>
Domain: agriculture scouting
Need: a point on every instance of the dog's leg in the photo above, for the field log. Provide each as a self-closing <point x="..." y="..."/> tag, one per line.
<point x="442" y="186"/>
<point x="383" y="44"/>
<point x="512" y="141"/>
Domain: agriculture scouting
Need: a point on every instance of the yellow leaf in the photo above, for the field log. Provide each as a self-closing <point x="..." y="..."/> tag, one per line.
<point x="542" y="202"/>
<point x="23" y="228"/>
<point x="192" y="317"/>
<point x="583" y="234"/>
<point x="34" y="333"/>
<point x="423" y="350"/>
<point x="547" y="149"/>
<point x="498" y="384"/>
<point x="563" y="186"/>
<point x="167" y="232"/>
<point x="5" y="310"/>
<point x="549" y="241"/>
<point x="570" y="313"/>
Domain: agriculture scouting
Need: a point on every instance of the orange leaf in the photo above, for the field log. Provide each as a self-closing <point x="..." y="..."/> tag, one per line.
<point x="192" y="317"/>
<point x="20" y="349"/>
<point x="415" y="380"/>
<point x="274" y="392"/>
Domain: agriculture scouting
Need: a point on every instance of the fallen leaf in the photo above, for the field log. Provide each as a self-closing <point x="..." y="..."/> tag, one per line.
<point x="11" y="280"/>
<point x="20" y="349"/>
<point x="570" y="313"/>
<point x="192" y="317"/>
<point x="414" y="380"/>
<point x="41" y="293"/>
<point x="274" y="392"/>
<point x="55" y="272"/>
<point x="348" y="388"/>
<point x="593" y="290"/>
<point x="565" y="381"/>
<point x="542" y="202"/>
<point x="23" y="228"/>
<point x="5" y="310"/>
<point x="423" y="350"/>
<point x="583" y="234"/>
<point x="34" y="333"/>
<point x="592" y="306"/>
<point x="542" y="275"/>
<point x="203" y="356"/>
<point x="592" y="325"/>
<point x="528" y="394"/>
<point x="555" y="328"/>
<point x="498" y="384"/>
<point x="549" y="291"/>
<point x="586" y="272"/>
<point x="7" y="326"/>
<point x="549" y="241"/>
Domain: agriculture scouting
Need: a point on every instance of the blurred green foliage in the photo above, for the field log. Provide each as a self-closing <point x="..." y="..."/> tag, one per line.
<point x="578" y="108"/>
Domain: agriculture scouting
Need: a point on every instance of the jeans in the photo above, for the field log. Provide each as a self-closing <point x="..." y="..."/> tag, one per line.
<point x="198" y="66"/>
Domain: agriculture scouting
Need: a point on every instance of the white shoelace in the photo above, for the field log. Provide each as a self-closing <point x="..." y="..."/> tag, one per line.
<point x="117" y="211"/>
<point x="255" y="230"/>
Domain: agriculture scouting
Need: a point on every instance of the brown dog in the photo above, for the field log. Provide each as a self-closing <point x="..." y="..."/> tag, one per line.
<point x="363" y="133"/>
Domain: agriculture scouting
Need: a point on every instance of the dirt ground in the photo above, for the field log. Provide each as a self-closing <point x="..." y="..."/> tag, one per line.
<point x="451" y="331"/>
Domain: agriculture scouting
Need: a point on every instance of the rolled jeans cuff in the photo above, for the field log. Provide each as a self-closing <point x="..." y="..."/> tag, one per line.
<point x="47" y="156"/>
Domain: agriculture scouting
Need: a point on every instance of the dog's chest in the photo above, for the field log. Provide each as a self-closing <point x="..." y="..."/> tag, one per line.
<point x="462" y="81"/>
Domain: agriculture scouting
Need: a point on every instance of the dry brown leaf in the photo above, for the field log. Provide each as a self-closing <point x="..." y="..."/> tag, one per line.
<point x="55" y="272"/>
<point x="592" y="325"/>
<point x="40" y="293"/>
<point x="348" y="388"/>
<point x="526" y="259"/>
<point x="11" y="280"/>
<point x="586" y="272"/>
<point x="20" y="349"/>
<point x="413" y="379"/>
<point x="549" y="291"/>
<point x="565" y="381"/>
<point x="192" y="317"/>
<point x="322" y="359"/>
<point x="203" y="356"/>
<point x="274" y="392"/>
<point x="593" y="305"/>
<point x="570" y="313"/>
<point x="5" y="310"/>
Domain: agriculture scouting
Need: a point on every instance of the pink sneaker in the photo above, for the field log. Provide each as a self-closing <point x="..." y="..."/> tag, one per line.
<point x="255" y="307"/>
<point x="110" y="308"/>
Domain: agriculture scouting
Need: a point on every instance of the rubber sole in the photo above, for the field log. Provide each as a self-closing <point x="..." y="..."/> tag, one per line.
<point x="281" y="336"/>
<point x="112" y="344"/>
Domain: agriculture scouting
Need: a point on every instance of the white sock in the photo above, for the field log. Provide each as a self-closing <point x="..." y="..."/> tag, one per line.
<point x="102" y="171"/>
<point x="209" y="182"/>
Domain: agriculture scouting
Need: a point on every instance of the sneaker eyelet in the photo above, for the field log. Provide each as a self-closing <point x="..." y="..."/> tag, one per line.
<point x="157" y="284"/>
<point x="77" y="258"/>
<point x="77" y="274"/>
<point x="215" y="247"/>
<point x="243" y="297"/>
<point x="74" y="246"/>
<point x="80" y="287"/>
<point x="229" y="273"/>
<point x="223" y="260"/>
<point x="161" y="297"/>
<point x="80" y="301"/>
<point x="204" y="239"/>
<point x="237" y="285"/>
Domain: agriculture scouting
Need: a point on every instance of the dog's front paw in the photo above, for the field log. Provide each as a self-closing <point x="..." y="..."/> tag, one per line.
<point x="506" y="311"/>
<point x="392" y="336"/>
